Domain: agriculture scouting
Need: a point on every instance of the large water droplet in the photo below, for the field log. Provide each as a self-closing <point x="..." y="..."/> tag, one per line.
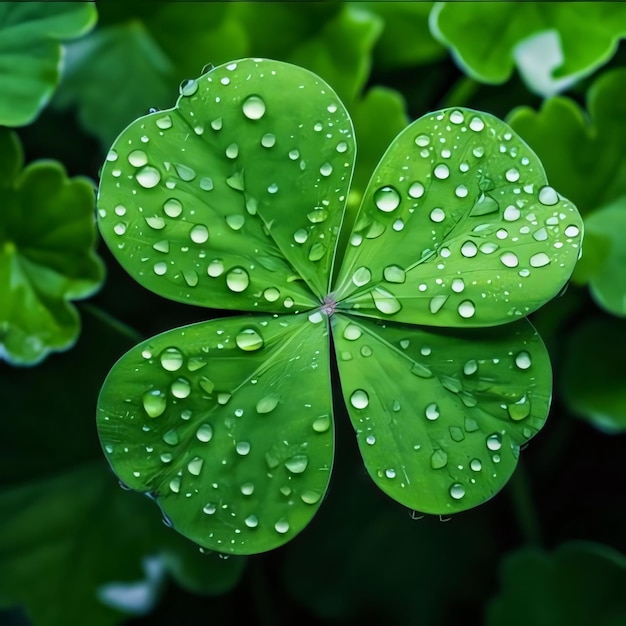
<point x="154" y="403"/>
<point x="441" y="171"/>
<point x="164" y="122"/>
<point x="494" y="442"/>
<point x="199" y="234"/>
<point x="394" y="274"/>
<point x="385" y="301"/>
<point x="253" y="107"/>
<point x="509" y="259"/>
<point x="432" y="411"/>
<point x="243" y="448"/>
<point x="438" y="459"/>
<point x="281" y="526"/>
<point x="476" y="124"/>
<point x="317" y="251"/>
<point x="249" y="340"/>
<point x="457" y="491"/>
<point x="172" y="207"/>
<point x="156" y="222"/>
<point x="297" y="464"/>
<point x="180" y="388"/>
<point x="456" y="117"/>
<point x="541" y="259"/>
<point x="268" y="403"/>
<point x="237" y="279"/>
<point x="188" y="87"/>
<point x="548" y="196"/>
<point x="416" y="190"/>
<point x="512" y="175"/>
<point x="470" y="367"/>
<point x="138" y="158"/>
<point x="321" y="424"/>
<point x="148" y="177"/>
<point x="523" y="360"/>
<point x="436" y="303"/>
<point x="195" y="466"/>
<point x="352" y="332"/>
<point x="519" y="410"/>
<point x="215" y="268"/>
<point x="171" y="359"/>
<point x="437" y="215"/>
<point x="247" y="489"/>
<point x="458" y="285"/>
<point x="252" y="521"/>
<point x="204" y="433"/>
<point x="359" y="399"/>
<point x="171" y="437"/>
<point x="361" y="276"/>
<point x="469" y="249"/>
<point x="387" y="199"/>
<point x="466" y="309"/>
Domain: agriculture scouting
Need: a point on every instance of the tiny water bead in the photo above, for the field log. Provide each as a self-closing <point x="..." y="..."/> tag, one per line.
<point x="387" y="199"/>
<point x="253" y="107"/>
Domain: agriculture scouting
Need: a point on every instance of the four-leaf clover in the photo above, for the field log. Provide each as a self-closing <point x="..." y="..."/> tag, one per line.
<point x="234" y="199"/>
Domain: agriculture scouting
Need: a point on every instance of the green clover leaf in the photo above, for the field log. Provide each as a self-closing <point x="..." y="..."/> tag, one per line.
<point x="47" y="236"/>
<point x="30" y="53"/>
<point x="234" y="199"/>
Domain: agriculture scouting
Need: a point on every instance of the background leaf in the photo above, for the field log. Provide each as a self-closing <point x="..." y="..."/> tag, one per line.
<point x="465" y="233"/>
<point x="212" y="236"/>
<point x="30" y="53"/>
<point x="228" y="425"/>
<point x="47" y="238"/>
<point x="440" y="416"/>
<point x="486" y="39"/>
<point x="579" y="583"/>
<point x="593" y="376"/>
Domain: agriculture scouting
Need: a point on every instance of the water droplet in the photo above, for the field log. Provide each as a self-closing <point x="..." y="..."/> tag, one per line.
<point x="351" y="332"/>
<point x="318" y="215"/>
<point x="385" y="301"/>
<point x="268" y="403"/>
<point x="511" y="213"/>
<point x="148" y="177"/>
<point x="432" y="411"/>
<point x="215" y="268"/>
<point x="359" y="399"/>
<point x="416" y="190"/>
<point x="488" y="247"/>
<point x="155" y="222"/>
<point x="297" y="464"/>
<point x="310" y="497"/>
<point x="469" y="249"/>
<point x="387" y="199"/>
<point x="461" y="191"/>
<point x="466" y="309"/>
<point x="438" y="459"/>
<point x="458" y="285"/>
<point x="216" y="124"/>
<point x="471" y="367"/>
<point x="394" y="274"/>
<point x="138" y="158"/>
<point x="235" y="222"/>
<point x="421" y="370"/>
<point x="541" y="259"/>
<point x="281" y="526"/>
<point x="422" y="140"/>
<point x="232" y="151"/>
<point x="548" y="196"/>
<point x="171" y="437"/>
<point x="252" y="521"/>
<point x="209" y="508"/>
<point x="509" y="259"/>
<point x="253" y="107"/>
<point x="160" y="268"/>
<point x="494" y="442"/>
<point x="181" y="388"/>
<point x="519" y="410"/>
<point x="247" y="489"/>
<point x="164" y="122"/>
<point x="237" y="279"/>
<point x="441" y="171"/>
<point x="456" y="433"/>
<point x="172" y="207"/>
<point x="572" y="231"/>
<point x="175" y="484"/>
<point x="361" y="276"/>
<point x="188" y="87"/>
<point x="195" y="466"/>
<point x="268" y="140"/>
<point x="205" y="433"/>
<point x="112" y="156"/>
<point x="321" y="424"/>
<point x="166" y="457"/>
<point x="457" y="491"/>
<point x="171" y="359"/>
<point x="523" y="360"/>
<point x="436" y="303"/>
<point x="326" y="169"/>
<point x="242" y="448"/>
<point x="119" y="228"/>
<point x="437" y="215"/>
<point x="512" y="175"/>
<point x="249" y="340"/>
<point x="476" y="124"/>
<point x="317" y="251"/>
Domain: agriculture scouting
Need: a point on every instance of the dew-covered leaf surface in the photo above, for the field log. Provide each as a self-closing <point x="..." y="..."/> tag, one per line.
<point x="582" y="151"/>
<point x="231" y="200"/>
<point x="592" y="382"/>
<point x="458" y="227"/>
<point x="488" y="38"/>
<point x="580" y="583"/>
<point x="30" y="53"/>
<point x="228" y="425"/>
<point x="440" y="415"/>
<point x="47" y="257"/>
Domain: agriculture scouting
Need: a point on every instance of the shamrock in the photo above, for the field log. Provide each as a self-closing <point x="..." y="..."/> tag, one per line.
<point x="235" y="199"/>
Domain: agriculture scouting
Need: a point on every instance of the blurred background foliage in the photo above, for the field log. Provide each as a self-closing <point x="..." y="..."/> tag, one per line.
<point x="76" y="549"/>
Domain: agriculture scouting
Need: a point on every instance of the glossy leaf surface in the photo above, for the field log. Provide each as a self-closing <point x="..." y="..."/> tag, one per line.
<point x="47" y="257"/>
<point x="440" y="415"/>
<point x="228" y="425"/>
<point x="230" y="200"/>
<point x="458" y="227"/>
<point x="30" y="53"/>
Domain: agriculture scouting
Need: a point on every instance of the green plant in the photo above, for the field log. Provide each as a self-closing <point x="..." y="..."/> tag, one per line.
<point x="234" y="199"/>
